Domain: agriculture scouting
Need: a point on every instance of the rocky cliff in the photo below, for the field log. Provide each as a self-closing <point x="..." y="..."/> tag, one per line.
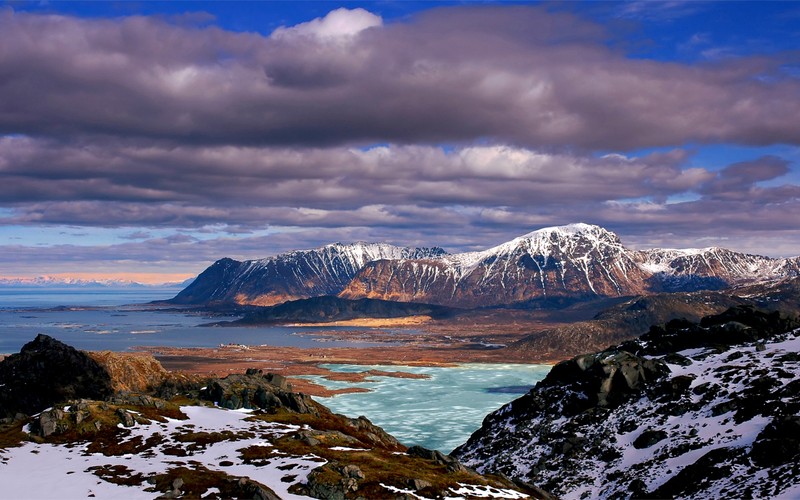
<point x="46" y="371"/>
<point x="708" y="410"/>
<point x="548" y="267"/>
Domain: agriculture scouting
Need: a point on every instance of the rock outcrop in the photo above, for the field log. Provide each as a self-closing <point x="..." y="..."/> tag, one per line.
<point x="131" y="372"/>
<point x="689" y="410"/>
<point x="47" y="371"/>
<point x="257" y="390"/>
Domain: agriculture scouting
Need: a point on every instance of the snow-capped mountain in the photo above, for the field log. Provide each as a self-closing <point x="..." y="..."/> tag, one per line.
<point x="705" y="410"/>
<point x="713" y="266"/>
<point x="567" y="262"/>
<point x="551" y="265"/>
<point x="293" y="275"/>
<point x="61" y="282"/>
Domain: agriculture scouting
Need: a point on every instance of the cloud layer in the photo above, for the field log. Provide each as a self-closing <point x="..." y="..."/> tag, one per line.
<point x="517" y="75"/>
<point x="459" y="127"/>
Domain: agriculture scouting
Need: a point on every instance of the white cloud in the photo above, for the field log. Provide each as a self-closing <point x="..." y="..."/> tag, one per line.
<point x="339" y="23"/>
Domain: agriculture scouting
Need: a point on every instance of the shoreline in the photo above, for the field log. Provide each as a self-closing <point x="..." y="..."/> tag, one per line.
<point x="292" y="362"/>
<point x="473" y="337"/>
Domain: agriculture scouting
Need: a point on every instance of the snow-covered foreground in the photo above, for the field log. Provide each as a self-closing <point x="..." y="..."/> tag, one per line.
<point x="67" y="471"/>
<point x="49" y="471"/>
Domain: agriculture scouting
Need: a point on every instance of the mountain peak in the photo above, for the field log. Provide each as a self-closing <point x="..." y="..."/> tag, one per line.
<point x="574" y="228"/>
<point x="577" y="238"/>
<point x="571" y="231"/>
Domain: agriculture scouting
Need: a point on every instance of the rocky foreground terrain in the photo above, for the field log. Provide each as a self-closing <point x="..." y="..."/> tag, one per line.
<point x="691" y="409"/>
<point x="688" y="410"/>
<point x="106" y="425"/>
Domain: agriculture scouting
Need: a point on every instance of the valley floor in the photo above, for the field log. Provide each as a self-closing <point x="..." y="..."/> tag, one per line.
<point x="476" y="337"/>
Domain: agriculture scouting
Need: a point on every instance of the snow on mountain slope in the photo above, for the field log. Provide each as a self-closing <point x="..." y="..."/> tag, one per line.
<point x="718" y="419"/>
<point x="551" y="265"/>
<point x="558" y="263"/>
<point x="293" y="275"/>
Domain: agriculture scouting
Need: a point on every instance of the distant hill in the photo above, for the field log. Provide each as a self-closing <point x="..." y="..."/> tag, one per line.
<point x="634" y="317"/>
<point x="58" y="282"/>
<point x="327" y="309"/>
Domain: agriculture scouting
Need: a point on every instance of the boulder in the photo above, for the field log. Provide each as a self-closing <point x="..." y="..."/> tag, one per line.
<point x="778" y="443"/>
<point x="607" y="378"/>
<point x="254" y="389"/>
<point x="451" y="463"/>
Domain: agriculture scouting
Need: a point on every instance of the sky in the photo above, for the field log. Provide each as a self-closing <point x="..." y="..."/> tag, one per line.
<point x="145" y="140"/>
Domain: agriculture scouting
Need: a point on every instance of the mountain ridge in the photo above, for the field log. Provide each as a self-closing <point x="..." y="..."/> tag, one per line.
<point x="550" y="265"/>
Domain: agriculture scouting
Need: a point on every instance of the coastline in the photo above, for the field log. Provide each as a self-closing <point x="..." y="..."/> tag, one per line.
<point x="293" y="361"/>
<point x="473" y="337"/>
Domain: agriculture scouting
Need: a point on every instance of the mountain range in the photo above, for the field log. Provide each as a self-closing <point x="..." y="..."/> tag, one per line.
<point x="60" y="282"/>
<point x="549" y="267"/>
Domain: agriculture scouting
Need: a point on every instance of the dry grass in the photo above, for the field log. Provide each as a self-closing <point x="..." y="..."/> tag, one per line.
<point x="374" y="322"/>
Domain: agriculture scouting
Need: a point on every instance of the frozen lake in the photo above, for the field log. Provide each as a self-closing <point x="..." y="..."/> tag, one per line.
<point x="439" y="412"/>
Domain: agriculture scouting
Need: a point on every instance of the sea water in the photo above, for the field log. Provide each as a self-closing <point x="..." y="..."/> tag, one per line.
<point x="439" y="412"/>
<point x="96" y="320"/>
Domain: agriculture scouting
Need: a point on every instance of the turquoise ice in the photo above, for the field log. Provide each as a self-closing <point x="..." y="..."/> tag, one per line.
<point x="439" y="412"/>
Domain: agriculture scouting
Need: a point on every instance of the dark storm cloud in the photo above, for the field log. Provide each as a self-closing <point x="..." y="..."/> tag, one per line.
<point x="739" y="179"/>
<point x="127" y="185"/>
<point x="517" y="75"/>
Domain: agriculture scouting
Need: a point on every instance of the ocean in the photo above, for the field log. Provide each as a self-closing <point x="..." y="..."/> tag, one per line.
<point x="119" y="320"/>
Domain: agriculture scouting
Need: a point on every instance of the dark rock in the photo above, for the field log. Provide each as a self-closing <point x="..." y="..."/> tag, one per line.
<point x="452" y="464"/>
<point x="333" y="481"/>
<point x="608" y="378"/>
<point x="789" y="357"/>
<point x="637" y="488"/>
<point x="716" y="464"/>
<point x="254" y="390"/>
<point x="674" y="358"/>
<point x="675" y="387"/>
<point x="50" y="422"/>
<point x="724" y="407"/>
<point x="419" y="484"/>
<point x="353" y="471"/>
<point x="737" y="325"/>
<point x="46" y="372"/>
<point x="778" y="443"/>
<point x="648" y="438"/>
<point x="126" y="418"/>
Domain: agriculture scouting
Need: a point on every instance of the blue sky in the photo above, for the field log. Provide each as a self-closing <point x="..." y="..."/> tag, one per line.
<point x="150" y="138"/>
